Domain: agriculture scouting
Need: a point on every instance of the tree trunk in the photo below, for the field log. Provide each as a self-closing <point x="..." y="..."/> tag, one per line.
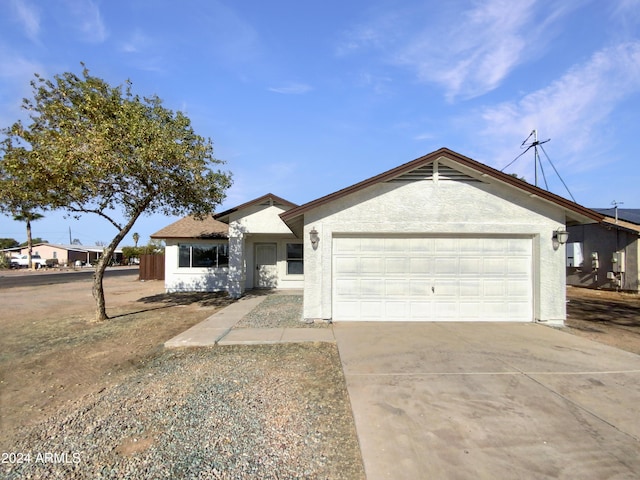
<point x="29" y="245"/>
<point x="103" y="262"/>
<point x="98" y="289"/>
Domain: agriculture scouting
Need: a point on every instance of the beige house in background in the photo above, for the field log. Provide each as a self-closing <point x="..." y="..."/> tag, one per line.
<point x="65" y="254"/>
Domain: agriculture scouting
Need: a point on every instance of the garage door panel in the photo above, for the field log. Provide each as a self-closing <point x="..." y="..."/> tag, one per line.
<point x="396" y="265"/>
<point x="421" y="310"/>
<point x="493" y="266"/>
<point x="420" y="265"/>
<point x="470" y="288"/>
<point x="518" y="265"/>
<point x="470" y="310"/>
<point x="493" y="311"/>
<point x="494" y="288"/>
<point x="420" y="287"/>
<point x="396" y="287"/>
<point x="446" y="310"/>
<point x="435" y="278"/>
<point x="446" y="265"/>
<point x="347" y="265"/>
<point x="470" y="265"/>
<point x="372" y="265"/>
<point x="417" y="245"/>
<point x="347" y="245"/>
<point x="349" y="310"/>
<point x="396" y="310"/>
<point x="370" y="287"/>
<point x="372" y="309"/>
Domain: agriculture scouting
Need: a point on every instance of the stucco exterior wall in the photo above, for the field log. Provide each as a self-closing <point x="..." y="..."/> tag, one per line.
<point x="438" y="208"/>
<point x="248" y="227"/>
<point x="284" y="281"/>
<point x="604" y="241"/>
<point x="181" y="279"/>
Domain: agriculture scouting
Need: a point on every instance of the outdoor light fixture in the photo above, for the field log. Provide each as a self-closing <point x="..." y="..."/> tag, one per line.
<point x="314" y="237"/>
<point x="561" y="236"/>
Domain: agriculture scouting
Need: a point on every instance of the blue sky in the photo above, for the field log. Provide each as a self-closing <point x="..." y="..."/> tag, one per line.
<point x="304" y="98"/>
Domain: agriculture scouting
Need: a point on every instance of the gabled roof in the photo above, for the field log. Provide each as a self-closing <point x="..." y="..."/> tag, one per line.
<point x="190" y="227"/>
<point x="269" y="197"/>
<point x="293" y="217"/>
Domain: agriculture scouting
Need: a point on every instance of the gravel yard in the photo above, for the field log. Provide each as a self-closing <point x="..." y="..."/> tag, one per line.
<point x="273" y="412"/>
<point x="278" y="311"/>
<point x="86" y="400"/>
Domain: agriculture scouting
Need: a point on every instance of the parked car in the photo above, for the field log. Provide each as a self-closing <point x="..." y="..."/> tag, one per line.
<point x="23" y="261"/>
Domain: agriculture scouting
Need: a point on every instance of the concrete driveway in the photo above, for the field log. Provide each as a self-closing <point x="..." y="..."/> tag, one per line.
<point x="471" y="400"/>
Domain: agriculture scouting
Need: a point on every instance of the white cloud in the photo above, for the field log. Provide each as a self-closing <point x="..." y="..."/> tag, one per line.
<point x="468" y="48"/>
<point x="29" y="16"/>
<point x="292" y="89"/>
<point x="474" y="56"/>
<point x="136" y="43"/>
<point x="572" y="109"/>
<point x="16" y="73"/>
<point x="87" y="19"/>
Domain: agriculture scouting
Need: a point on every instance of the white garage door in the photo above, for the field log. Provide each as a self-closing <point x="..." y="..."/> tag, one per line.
<point x="436" y="279"/>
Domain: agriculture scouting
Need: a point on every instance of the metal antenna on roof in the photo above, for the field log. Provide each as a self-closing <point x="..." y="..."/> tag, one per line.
<point x="615" y="207"/>
<point x="536" y="158"/>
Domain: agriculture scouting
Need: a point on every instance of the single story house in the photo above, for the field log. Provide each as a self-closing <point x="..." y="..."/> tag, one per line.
<point x="442" y="237"/>
<point x="606" y="254"/>
<point x="67" y="254"/>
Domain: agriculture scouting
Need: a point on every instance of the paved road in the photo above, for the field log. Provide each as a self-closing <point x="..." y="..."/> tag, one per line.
<point x="20" y="279"/>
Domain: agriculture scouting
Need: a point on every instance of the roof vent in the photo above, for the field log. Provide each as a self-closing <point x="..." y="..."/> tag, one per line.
<point x="421" y="173"/>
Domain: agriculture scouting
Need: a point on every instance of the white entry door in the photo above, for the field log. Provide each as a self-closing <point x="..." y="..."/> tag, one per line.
<point x="266" y="266"/>
<point x="436" y="279"/>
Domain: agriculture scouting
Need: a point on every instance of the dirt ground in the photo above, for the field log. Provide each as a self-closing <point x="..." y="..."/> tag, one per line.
<point x="612" y="318"/>
<point x="52" y="353"/>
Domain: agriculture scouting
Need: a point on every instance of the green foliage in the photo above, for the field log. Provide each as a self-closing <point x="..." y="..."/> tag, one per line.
<point x="34" y="241"/>
<point x="94" y="148"/>
<point x="154" y="247"/>
<point x="8" y="243"/>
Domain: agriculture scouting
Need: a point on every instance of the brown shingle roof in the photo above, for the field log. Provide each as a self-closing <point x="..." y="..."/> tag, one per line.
<point x="189" y="227"/>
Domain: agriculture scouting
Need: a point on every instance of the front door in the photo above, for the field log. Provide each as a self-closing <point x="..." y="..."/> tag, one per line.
<point x="266" y="273"/>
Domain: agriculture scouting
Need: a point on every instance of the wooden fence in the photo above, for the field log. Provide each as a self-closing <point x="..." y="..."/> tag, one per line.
<point x="151" y="267"/>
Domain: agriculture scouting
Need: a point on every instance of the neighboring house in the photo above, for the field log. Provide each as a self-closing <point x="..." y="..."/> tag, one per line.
<point x="442" y="237"/>
<point x="606" y="254"/>
<point x="67" y="254"/>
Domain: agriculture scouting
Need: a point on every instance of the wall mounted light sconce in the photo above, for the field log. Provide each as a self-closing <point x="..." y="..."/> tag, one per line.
<point x="314" y="237"/>
<point x="560" y="237"/>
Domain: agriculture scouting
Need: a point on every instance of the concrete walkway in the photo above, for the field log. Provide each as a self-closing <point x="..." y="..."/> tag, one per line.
<point x="219" y="329"/>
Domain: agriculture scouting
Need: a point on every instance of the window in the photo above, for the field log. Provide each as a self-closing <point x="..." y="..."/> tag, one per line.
<point x="575" y="256"/>
<point x="295" y="262"/>
<point x="203" y="255"/>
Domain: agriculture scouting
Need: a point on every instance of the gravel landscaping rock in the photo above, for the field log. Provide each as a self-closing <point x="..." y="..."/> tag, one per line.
<point x="278" y="311"/>
<point x="266" y="411"/>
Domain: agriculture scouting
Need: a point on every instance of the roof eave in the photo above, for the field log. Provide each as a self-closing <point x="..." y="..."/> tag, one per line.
<point x="224" y="216"/>
<point x="575" y="211"/>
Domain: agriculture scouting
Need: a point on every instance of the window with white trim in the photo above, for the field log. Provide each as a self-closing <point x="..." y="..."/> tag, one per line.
<point x="203" y="255"/>
<point x="295" y="261"/>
